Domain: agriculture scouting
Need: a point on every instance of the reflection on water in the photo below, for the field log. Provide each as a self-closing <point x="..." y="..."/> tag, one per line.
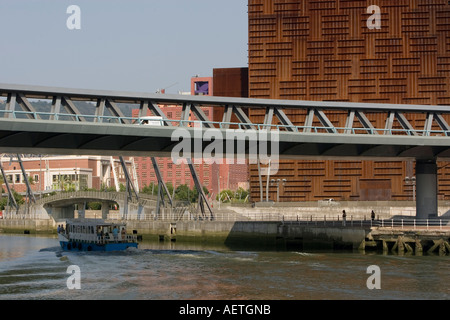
<point x="35" y="268"/>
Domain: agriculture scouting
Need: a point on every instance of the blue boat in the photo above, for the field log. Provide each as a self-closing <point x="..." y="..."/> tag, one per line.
<point x="95" y="235"/>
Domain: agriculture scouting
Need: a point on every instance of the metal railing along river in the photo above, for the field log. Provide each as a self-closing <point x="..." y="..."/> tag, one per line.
<point x="315" y="220"/>
<point x="188" y="214"/>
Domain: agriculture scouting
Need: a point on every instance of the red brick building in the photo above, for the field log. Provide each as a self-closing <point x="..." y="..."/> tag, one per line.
<point x="64" y="172"/>
<point x="227" y="82"/>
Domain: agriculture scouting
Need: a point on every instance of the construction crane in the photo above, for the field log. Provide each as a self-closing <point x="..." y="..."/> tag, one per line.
<point x="164" y="90"/>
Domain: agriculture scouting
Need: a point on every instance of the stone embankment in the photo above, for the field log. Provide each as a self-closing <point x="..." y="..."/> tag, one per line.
<point x="298" y="228"/>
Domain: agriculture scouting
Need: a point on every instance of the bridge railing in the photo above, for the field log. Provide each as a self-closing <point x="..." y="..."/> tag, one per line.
<point x="313" y="220"/>
<point x="80" y="194"/>
<point x="407" y="223"/>
<point x="225" y="125"/>
<point x="93" y="194"/>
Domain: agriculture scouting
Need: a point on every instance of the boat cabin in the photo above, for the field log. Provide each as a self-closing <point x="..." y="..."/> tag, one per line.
<point x="97" y="231"/>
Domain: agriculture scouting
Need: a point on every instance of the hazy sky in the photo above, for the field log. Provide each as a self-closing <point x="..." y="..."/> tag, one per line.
<point x="129" y="45"/>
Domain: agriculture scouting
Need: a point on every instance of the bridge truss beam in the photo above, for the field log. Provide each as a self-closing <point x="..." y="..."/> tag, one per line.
<point x="307" y="129"/>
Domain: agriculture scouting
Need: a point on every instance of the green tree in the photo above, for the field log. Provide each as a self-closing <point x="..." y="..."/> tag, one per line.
<point x="19" y="199"/>
<point x="195" y="193"/>
<point x="94" y="206"/>
<point x="3" y="203"/>
<point x="150" y="189"/>
<point x="183" y="193"/>
<point x="241" y="194"/>
<point x="170" y="188"/>
<point x="225" y="196"/>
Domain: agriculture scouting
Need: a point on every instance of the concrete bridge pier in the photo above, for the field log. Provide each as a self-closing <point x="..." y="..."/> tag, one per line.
<point x="427" y="189"/>
<point x="105" y="210"/>
<point x="81" y="207"/>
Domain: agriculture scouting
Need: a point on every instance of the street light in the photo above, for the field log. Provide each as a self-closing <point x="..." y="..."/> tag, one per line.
<point x="412" y="180"/>
<point x="277" y="182"/>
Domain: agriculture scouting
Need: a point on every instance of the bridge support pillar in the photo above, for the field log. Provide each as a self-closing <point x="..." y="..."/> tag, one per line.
<point x="105" y="210"/>
<point x="81" y="207"/>
<point x="427" y="189"/>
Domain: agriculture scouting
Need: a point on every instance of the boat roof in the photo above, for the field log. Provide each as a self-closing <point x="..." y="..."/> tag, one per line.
<point x="94" y="222"/>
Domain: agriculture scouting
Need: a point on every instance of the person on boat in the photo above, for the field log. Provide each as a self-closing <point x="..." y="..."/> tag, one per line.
<point x="58" y="229"/>
<point x="99" y="234"/>
<point x="115" y="233"/>
<point x="123" y="234"/>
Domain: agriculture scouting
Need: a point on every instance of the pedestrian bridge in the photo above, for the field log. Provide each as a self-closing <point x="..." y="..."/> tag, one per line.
<point x="62" y="205"/>
<point x="320" y="135"/>
<point x="65" y="198"/>
<point x="300" y="129"/>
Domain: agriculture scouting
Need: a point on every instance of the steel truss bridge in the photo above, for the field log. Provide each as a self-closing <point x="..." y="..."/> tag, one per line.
<point x="108" y="131"/>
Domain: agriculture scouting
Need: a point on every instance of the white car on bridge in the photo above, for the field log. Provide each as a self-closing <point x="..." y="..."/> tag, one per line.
<point x="151" y="121"/>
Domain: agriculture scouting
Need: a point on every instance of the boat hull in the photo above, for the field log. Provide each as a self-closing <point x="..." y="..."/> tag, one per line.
<point x="108" y="247"/>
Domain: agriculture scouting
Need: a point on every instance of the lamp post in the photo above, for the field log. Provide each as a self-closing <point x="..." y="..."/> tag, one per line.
<point x="278" y="182"/>
<point x="412" y="180"/>
<point x="76" y="180"/>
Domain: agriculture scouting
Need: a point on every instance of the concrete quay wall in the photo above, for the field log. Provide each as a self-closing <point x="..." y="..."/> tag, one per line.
<point x="233" y="234"/>
<point x="253" y="234"/>
<point x="32" y="226"/>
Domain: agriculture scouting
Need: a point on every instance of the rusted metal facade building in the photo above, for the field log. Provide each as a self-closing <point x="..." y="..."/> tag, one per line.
<point x="328" y="50"/>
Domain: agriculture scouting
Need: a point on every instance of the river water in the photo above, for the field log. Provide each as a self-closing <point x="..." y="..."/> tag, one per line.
<point x="34" y="268"/>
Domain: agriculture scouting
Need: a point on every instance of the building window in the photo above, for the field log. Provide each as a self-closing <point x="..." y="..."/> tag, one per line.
<point x="36" y="178"/>
<point x="17" y="178"/>
<point x="201" y="88"/>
